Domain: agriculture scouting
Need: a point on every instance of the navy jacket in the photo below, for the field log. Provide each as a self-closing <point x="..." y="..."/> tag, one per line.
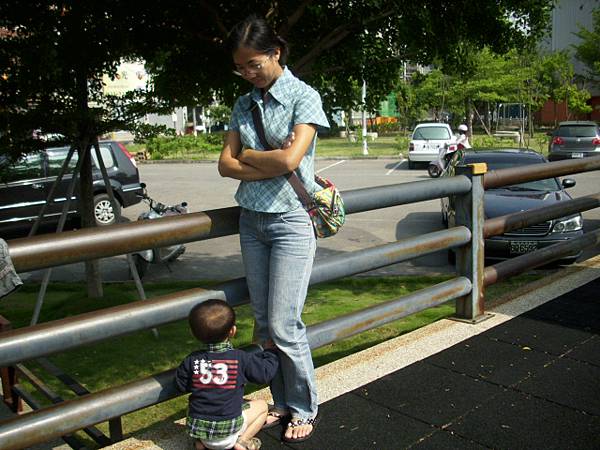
<point x="216" y="380"/>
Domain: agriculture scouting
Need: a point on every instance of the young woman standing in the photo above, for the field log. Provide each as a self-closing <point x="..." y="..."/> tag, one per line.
<point x="276" y="235"/>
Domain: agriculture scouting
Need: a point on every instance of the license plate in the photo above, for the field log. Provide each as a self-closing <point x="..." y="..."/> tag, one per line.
<point x="520" y="247"/>
<point x="577" y="155"/>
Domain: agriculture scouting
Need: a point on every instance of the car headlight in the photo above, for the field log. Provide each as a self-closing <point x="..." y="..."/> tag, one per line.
<point x="574" y="223"/>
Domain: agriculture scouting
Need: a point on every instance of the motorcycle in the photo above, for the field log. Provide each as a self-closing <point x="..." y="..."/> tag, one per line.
<point x="165" y="255"/>
<point x="439" y="166"/>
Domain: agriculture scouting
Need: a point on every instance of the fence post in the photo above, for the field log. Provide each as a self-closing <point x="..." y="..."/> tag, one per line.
<point x="470" y="258"/>
<point x="9" y="378"/>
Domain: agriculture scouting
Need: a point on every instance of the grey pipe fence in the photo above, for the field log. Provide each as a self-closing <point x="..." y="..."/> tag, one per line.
<point x="59" y="420"/>
<point x="467" y="288"/>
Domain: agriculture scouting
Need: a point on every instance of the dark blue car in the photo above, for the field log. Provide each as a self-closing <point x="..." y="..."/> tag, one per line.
<point x="521" y="197"/>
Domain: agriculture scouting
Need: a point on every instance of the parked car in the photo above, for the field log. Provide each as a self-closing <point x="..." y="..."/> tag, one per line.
<point x="574" y="139"/>
<point x="426" y="141"/>
<point x="25" y="185"/>
<point x="520" y="197"/>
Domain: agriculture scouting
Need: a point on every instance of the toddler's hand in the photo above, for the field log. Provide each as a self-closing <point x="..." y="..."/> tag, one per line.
<point x="269" y="344"/>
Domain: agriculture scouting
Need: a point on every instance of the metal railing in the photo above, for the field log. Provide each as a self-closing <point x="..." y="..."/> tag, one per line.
<point x="467" y="288"/>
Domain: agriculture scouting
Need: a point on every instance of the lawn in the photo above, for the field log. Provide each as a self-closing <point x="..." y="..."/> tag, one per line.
<point x="119" y="360"/>
<point x="388" y="146"/>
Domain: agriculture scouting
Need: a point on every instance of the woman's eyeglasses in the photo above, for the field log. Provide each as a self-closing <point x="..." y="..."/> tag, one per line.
<point x="250" y="68"/>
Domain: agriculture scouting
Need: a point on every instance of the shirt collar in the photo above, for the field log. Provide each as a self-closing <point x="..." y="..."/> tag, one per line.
<point x="280" y="89"/>
<point x="218" y="347"/>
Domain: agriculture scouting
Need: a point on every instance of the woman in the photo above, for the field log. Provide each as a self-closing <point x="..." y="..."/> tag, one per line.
<point x="277" y="239"/>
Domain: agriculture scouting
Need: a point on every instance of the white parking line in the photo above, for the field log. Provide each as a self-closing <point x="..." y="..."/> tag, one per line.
<point x="331" y="165"/>
<point x="395" y="166"/>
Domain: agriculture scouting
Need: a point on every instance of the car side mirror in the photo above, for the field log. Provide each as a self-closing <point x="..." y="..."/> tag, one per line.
<point x="143" y="185"/>
<point x="568" y="183"/>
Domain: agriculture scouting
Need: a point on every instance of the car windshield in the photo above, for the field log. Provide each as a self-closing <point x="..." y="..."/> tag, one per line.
<point x="546" y="185"/>
<point x="577" y="131"/>
<point x="426" y="133"/>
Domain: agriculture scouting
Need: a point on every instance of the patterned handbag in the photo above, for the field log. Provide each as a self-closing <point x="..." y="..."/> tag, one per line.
<point x="327" y="210"/>
<point x="325" y="207"/>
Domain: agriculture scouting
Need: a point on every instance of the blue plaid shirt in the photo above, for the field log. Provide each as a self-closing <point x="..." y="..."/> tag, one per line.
<point x="291" y="102"/>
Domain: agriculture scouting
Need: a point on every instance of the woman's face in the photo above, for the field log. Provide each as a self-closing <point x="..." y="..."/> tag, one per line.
<point x="260" y="69"/>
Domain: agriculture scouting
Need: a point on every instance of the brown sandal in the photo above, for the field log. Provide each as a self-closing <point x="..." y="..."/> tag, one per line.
<point x="250" y="444"/>
<point x="281" y="419"/>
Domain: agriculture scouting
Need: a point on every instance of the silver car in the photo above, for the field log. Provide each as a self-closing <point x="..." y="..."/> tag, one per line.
<point x="574" y="139"/>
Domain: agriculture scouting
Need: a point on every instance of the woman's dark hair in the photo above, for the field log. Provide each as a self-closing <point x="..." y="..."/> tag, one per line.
<point x="211" y="321"/>
<point x="254" y="32"/>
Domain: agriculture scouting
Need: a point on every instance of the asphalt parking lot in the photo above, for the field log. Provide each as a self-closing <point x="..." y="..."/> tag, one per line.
<point x="219" y="259"/>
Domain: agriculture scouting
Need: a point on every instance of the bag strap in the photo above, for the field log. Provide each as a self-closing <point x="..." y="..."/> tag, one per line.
<point x="292" y="178"/>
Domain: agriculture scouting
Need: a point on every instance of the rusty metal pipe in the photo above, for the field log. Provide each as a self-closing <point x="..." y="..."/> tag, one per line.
<point x="334" y="330"/>
<point x="64" y="334"/>
<point x="513" y="175"/>
<point x="57" y="249"/>
<point x="515" y="266"/>
<point x="54" y="421"/>
<point x="514" y="221"/>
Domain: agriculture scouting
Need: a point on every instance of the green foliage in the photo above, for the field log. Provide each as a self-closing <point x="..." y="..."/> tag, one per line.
<point x="219" y="113"/>
<point x="143" y="132"/>
<point x="520" y="77"/>
<point x="184" y="147"/>
<point x="588" y="50"/>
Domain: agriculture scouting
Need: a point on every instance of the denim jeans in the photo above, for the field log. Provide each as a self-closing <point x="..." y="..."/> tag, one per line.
<point x="278" y="252"/>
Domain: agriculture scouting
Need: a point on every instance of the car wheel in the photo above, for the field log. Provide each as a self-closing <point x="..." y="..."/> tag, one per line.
<point x="104" y="213"/>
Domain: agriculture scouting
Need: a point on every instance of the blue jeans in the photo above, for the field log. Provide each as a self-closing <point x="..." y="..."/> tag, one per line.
<point x="278" y="252"/>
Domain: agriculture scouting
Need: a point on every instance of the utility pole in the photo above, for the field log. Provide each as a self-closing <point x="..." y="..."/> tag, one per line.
<point x="364" y="118"/>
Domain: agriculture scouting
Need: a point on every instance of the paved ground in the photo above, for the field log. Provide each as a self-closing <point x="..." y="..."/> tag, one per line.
<point x="531" y="382"/>
<point x="525" y="378"/>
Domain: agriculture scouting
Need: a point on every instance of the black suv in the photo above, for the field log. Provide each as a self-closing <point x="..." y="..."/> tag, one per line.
<point x="574" y="139"/>
<point x="25" y="185"/>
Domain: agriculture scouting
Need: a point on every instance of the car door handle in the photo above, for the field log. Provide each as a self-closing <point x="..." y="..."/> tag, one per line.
<point x="37" y="186"/>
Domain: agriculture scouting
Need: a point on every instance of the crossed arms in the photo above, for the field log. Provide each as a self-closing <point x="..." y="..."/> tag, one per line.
<point x="252" y="165"/>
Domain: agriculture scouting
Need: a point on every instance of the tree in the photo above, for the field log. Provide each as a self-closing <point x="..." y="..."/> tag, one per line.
<point x="334" y="45"/>
<point x="588" y="50"/>
<point x="54" y="54"/>
<point x="52" y="60"/>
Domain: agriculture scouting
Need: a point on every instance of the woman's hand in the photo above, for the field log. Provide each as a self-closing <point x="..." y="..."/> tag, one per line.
<point x="231" y="161"/>
<point x="289" y="140"/>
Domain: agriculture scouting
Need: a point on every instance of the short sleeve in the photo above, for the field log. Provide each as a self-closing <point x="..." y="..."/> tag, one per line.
<point x="309" y="109"/>
<point x="234" y="123"/>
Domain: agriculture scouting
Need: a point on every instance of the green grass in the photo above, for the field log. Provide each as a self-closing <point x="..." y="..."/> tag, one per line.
<point x="186" y="148"/>
<point x="383" y="146"/>
<point x="123" y="359"/>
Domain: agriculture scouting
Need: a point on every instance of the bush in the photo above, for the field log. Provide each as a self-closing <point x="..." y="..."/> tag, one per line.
<point x="143" y="132"/>
<point x="193" y="147"/>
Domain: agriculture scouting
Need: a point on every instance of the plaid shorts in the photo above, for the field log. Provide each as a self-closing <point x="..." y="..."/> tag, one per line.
<point x="215" y="429"/>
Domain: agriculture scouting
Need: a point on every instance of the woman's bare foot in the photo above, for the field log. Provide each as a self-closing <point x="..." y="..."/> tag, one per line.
<point x="299" y="430"/>
<point x="198" y="445"/>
